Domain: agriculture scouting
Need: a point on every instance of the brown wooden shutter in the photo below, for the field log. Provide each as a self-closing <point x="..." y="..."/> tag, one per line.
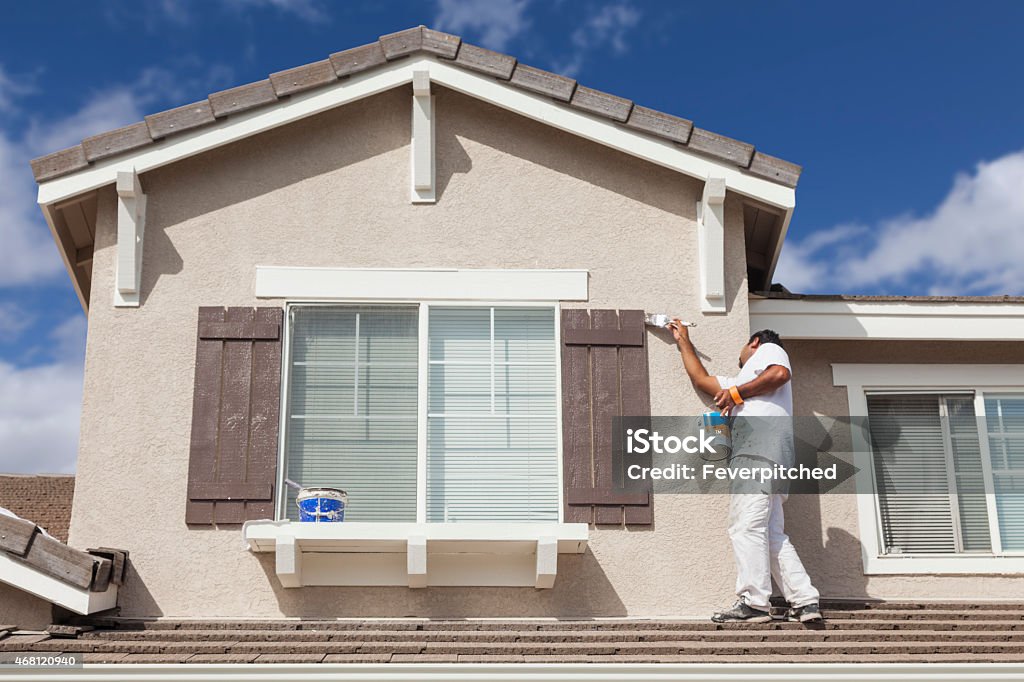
<point x="604" y="375"/>
<point x="232" y="466"/>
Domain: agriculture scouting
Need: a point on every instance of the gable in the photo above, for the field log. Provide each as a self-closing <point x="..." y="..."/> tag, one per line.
<point x="394" y="61"/>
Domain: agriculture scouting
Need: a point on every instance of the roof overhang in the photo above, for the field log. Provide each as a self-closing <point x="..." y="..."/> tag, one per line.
<point x="394" y="74"/>
<point x="665" y="153"/>
<point x="921" y="320"/>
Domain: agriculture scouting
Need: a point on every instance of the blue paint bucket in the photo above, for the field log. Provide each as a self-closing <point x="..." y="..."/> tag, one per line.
<point x="721" y="429"/>
<point x="321" y="505"/>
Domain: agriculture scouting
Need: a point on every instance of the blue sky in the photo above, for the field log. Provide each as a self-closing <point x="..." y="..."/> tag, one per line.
<point x="906" y="116"/>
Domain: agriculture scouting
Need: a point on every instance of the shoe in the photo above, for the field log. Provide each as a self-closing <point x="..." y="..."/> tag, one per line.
<point x="741" y="613"/>
<point x="805" y="614"/>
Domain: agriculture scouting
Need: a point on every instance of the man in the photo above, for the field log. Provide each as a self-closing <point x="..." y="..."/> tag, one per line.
<point x="761" y="547"/>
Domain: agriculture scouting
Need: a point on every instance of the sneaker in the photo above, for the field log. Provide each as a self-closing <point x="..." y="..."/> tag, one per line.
<point x="741" y="613"/>
<point x="805" y="614"/>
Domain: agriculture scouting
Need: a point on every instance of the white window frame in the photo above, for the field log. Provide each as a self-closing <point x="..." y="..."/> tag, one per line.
<point x="423" y="367"/>
<point x="861" y="379"/>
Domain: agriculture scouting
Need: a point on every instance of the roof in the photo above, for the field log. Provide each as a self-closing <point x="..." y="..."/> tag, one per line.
<point x="281" y="85"/>
<point x="853" y="632"/>
<point x="43" y="499"/>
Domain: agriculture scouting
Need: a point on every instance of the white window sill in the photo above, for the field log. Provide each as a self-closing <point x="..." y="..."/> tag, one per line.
<point x="963" y="564"/>
<point x="416" y="554"/>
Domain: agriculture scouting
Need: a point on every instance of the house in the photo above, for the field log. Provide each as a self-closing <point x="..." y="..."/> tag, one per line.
<point x="417" y="270"/>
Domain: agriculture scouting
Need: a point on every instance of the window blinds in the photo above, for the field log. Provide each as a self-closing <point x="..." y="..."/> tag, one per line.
<point x="352" y="409"/>
<point x="492" y="439"/>
<point x="928" y="472"/>
<point x="1005" y="420"/>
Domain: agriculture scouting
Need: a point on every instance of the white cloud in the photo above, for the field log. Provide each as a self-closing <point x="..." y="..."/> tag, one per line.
<point x="40" y="406"/>
<point x="13" y="321"/>
<point x="608" y="26"/>
<point x="971" y="243"/>
<point x="493" y="23"/>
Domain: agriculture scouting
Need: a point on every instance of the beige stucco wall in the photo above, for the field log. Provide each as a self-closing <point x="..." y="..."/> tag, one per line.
<point x="24" y="610"/>
<point x="334" y="191"/>
<point x="824" y="528"/>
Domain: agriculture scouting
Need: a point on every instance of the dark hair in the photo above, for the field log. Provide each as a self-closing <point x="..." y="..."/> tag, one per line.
<point x="767" y="336"/>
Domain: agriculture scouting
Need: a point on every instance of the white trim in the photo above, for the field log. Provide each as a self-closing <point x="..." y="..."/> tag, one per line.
<point x="422" y="154"/>
<point x="859" y="378"/>
<point x="21" y="576"/>
<point x="536" y="672"/>
<point x="711" y="246"/>
<point x="492" y="554"/>
<point x="400" y="72"/>
<point x="131" y="226"/>
<point x="813" y="319"/>
<point x="399" y="284"/>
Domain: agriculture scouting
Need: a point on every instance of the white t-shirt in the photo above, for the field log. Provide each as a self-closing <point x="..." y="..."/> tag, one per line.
<point x="778" y="403"/>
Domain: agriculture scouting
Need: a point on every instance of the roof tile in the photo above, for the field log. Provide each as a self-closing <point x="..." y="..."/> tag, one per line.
<point x="601" y="103"/>
<point x="180" y="119"/>
<point x="43" y="499"/>
<point x="396" y="45"/>
<point x="543" y="82"/>
<point x="59" y="163"/>
<point x="660" y="124"/>
<point x="486" y="61"/>
<point x="721" y="147"/>
<point x="356" y="59"/>
<point x="402" y="43"/>
<point x="776" y="169"/>
<point x="242" y="98"/>
<point x="116" y="141"/>
<point x="305" y="77"/>
<point x="442" y="44"/>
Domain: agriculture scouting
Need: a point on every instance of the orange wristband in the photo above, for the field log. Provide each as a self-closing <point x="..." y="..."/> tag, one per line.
<point x="736" y="397"/>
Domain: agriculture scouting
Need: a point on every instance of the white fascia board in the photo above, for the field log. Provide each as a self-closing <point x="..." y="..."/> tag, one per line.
<point x="536" y="672"/>
<point x="236" y="127"/>
<point x="27" y="579"/>
<point x="909" y="376"/>
<point x="810" y="319"/>
<point x="440" y="284"/>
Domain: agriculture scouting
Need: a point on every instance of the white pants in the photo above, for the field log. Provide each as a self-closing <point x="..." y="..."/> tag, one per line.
<point x="763" y="551"/>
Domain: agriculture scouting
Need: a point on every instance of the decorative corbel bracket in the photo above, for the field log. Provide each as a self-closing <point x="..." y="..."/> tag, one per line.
<point x="131" y="225"/>
<point x="711" y="246"/>
<point x="424" y="185"/>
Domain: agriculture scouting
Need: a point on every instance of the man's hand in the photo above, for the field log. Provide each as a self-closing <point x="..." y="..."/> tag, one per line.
<point x="724" y="401"/>
<point x="679" y="330"/>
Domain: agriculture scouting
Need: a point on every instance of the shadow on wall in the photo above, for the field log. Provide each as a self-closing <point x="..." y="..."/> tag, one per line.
<point x="835" y="565"/>
<point x="581" y="590"/>
<point x="267" y="162"/>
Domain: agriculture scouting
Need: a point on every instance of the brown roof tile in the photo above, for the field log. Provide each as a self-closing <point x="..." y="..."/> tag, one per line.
<point x="871" y="298"/>
<point x="486" y="61"/>
<point x="45" y="500"/>
<point x="601" y="103"/>
<point x="242" y="98"/>
<point x="852" y="632"/>
<point x="543" y="82"/>
<point x="394" y="46"/>
<point x="356" y="59"/>
<point x="301" y="78"/>
<point x="180" y="119"/>
<point x="116" y="141"/>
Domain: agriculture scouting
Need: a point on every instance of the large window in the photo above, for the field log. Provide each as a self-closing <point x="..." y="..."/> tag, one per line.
<point x="949" y="471"/>
<point x="440" y="413"/>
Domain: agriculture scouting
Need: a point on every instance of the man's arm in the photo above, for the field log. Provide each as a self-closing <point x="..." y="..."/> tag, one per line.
<point x="694" y="367"/>
<point x="767" y="381"/>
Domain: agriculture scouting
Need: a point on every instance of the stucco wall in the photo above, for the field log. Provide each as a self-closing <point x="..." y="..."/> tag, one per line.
<point x="824" y="528"/>
<point x="23" y="610"/>
<point x="334" y="191"/>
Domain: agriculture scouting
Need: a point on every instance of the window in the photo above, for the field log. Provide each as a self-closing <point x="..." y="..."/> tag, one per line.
<point x="949" y="472"/>
<point x="478" y="443"/>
